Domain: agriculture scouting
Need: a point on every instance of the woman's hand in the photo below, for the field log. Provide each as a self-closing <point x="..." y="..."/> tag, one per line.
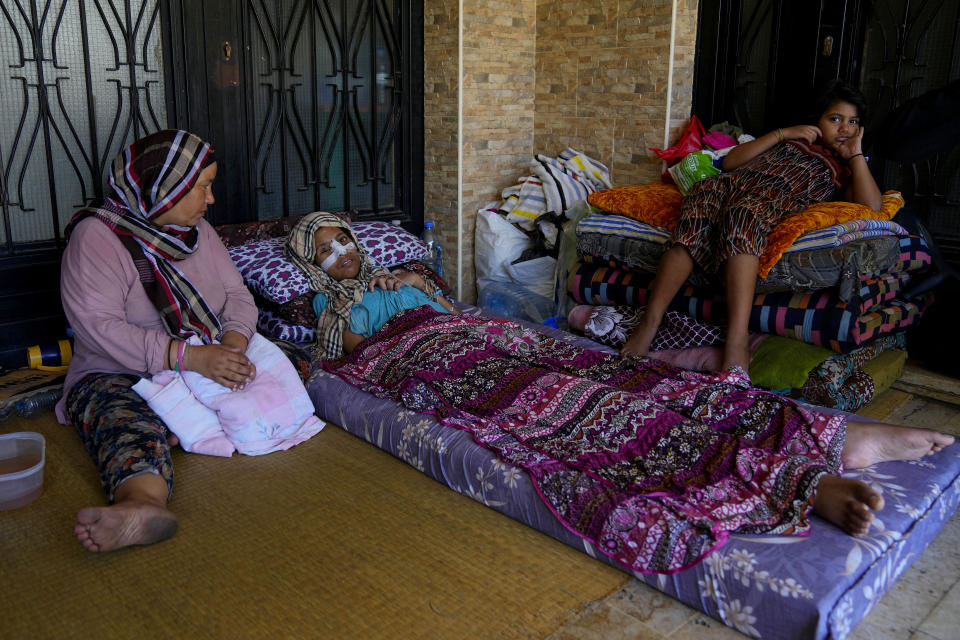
<point x="807" y="132"/>
<point x="234" y="339"/>
<point x="446" y="304"/>
<point x="862" y="188"/>
<point x="221" y="363"/>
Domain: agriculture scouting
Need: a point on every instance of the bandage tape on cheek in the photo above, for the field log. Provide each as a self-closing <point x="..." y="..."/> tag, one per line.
<point x="337" y="250"/>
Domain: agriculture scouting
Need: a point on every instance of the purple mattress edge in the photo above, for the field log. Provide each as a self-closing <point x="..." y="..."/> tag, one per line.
<point x="815" y="586"/>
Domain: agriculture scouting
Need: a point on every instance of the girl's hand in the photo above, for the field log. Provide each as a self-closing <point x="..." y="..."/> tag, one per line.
<point x="851" y="146"/>
<point x="389" y="283"/>
<point x="446" y="304"/>
<point x="412" y="279"/>
<point x="223" y="364"/>
<point x="806" y="132"/>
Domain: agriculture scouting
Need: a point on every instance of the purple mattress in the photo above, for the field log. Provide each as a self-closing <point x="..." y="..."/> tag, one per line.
<point x="818" y="586"/>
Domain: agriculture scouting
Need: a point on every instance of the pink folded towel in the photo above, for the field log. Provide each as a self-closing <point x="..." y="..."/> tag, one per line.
<point x="271" y="413"/>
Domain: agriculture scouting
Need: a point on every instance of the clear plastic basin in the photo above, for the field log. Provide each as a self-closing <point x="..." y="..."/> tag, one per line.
<point x="22" y="456"/>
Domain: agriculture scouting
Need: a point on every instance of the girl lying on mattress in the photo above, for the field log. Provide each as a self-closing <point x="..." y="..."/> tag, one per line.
<point x="654" y="464"/>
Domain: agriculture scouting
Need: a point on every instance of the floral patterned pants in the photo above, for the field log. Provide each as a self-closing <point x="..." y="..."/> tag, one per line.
<point x="121" y="432"/>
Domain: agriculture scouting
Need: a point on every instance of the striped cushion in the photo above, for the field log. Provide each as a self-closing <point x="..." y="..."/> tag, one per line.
<point x="845" y="232"/>
<point x="556" y="185"/>
<point x="621" y="226"/>
<point x="524" y="203"/>
<point x="658" y="204"/>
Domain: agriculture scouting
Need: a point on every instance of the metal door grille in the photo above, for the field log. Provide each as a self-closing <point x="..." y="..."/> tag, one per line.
<point x="81" y="80"/>
<point x="325" y="90"/>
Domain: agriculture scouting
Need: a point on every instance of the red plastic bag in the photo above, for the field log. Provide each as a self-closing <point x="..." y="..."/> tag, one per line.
<point x="690" y="141"/>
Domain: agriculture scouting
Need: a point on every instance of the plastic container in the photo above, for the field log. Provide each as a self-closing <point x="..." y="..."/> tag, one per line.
<point x="38" y="401"/>
<point x="22" y="456"/>
<point x="510" y="300"/>
<point x="434" y="259"/>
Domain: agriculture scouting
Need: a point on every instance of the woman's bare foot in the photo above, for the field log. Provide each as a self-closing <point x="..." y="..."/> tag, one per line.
<point x="872" y="442"/>
<point x="132" y="522"/>
<point x="638" y="344"/>
<point x="847" y="503"/>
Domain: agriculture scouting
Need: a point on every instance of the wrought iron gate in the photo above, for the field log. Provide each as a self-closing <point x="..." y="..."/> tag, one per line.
<point x="81" y="80"/>
<point x="311" y="104"/>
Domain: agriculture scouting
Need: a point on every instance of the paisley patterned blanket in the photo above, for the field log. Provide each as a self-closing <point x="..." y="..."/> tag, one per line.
<point x="654" y="465"/>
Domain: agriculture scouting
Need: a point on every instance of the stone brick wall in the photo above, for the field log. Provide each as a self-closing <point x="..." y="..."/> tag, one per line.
<point x="440" y="87"/>
<point x="539" y="76"/>
<point x="603" y="76"/>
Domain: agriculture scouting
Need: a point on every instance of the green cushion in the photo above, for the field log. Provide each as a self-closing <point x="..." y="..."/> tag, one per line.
<point x="784" y="363"/>
<point x="885" y="368"/>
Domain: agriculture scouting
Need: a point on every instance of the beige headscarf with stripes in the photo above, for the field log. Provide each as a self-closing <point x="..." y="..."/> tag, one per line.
<point x="341" y="294"/>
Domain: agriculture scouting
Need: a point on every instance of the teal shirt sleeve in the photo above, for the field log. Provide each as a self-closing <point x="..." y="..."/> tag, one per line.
<point x="319" y="303"/>
<point x="379" y="305"/>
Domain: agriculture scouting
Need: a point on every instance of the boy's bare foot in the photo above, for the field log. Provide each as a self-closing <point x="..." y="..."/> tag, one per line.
<point x="736" y="354"/>
<point x="124" y="524"/>
<point x="849" y="504"/>
<point x="638" y="344"/>
<point x="872" y="442"/>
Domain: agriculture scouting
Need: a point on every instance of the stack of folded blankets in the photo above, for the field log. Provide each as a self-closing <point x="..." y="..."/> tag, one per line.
<point x="833" y="278"/>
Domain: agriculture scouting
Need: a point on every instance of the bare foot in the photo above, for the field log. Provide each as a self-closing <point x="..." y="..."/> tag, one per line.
<point x="172" y="439"/>
<point x="847" y="503"/>
<point x="638" y="344"/>
<point x="872" y="442"/>
<point x="736" y="354"/>
<point x="123" y="524"/>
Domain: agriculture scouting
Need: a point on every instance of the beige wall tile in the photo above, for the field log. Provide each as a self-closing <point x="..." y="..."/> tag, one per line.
<point x="572" y="24"/>
<point x="592" y="136"/>
<point x="556" y="84"/>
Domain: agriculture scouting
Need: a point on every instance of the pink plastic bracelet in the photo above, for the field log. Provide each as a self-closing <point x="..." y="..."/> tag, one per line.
<point x="180" y="349"/>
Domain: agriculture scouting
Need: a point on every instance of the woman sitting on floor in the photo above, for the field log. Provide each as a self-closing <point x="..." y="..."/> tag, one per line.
<point x="141" y="274"/>
<point x="654" y="464"/>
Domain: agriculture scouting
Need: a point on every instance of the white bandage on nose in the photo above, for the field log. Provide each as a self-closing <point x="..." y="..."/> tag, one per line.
<point x="337" y="250"/>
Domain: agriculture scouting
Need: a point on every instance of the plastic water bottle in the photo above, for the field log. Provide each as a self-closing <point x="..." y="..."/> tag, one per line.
<point x="433" y="259"/>
<point x="38" y="401"/>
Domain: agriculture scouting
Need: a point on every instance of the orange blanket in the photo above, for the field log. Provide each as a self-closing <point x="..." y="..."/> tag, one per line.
<point x="658" y="204"/>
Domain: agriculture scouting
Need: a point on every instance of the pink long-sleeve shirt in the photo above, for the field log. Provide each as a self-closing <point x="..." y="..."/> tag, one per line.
<point x="116" y="327"/>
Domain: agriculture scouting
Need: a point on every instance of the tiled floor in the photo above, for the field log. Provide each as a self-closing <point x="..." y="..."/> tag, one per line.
<point x="923" y="605"/>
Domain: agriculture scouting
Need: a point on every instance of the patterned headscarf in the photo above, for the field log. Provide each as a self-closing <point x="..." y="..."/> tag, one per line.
<point x="341" y="294"/>
<point x="148" y="178"/>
